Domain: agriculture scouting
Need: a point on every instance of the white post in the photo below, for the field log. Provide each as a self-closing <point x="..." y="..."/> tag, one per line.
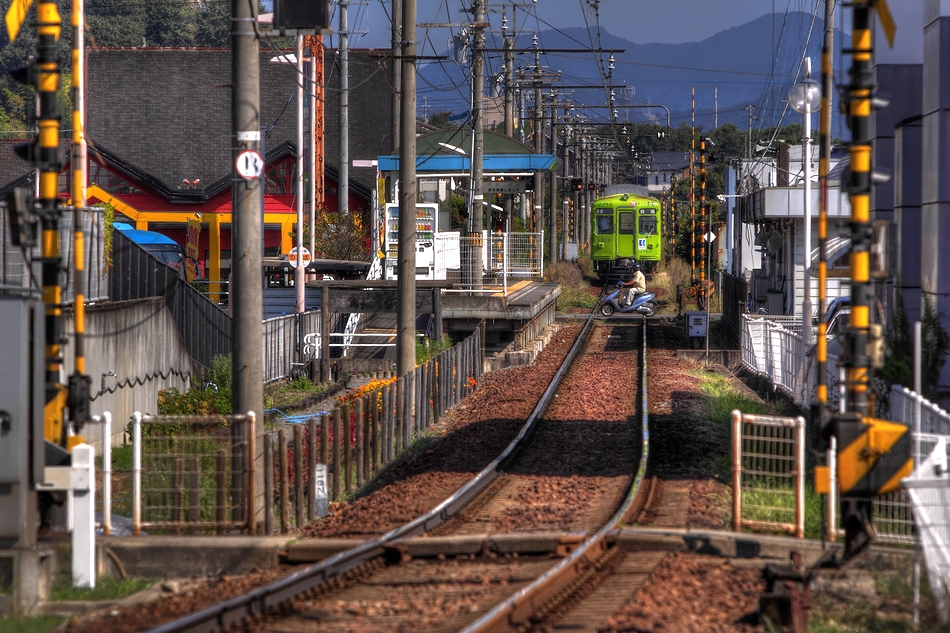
<point x="504" y="261"/>
<point x="82" y="484"/>
<point x="321" y="500"/>
<point x="136" y="473"/>
<point x="918" y="387"/>
<point x="806" y="288"/>
<point x="106" y="473"/>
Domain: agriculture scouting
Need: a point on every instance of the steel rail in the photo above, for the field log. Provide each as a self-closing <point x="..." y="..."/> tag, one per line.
<point x="518" y="609"/>
<point x="262" y="599"/>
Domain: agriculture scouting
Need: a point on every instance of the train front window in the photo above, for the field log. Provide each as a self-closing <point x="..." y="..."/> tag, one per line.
<point x="605" y="224"/>
<point x="625" y="223"/>
<point x="647" y="225"/>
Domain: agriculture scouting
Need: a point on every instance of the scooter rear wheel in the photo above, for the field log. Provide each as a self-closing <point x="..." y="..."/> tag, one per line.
<point x="648" y="309"/>
<point x="606" y="309"/>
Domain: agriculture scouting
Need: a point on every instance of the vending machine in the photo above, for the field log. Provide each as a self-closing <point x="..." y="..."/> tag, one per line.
<point x="426" y="219"/>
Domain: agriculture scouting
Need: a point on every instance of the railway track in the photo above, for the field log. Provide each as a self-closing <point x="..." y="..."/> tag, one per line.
<point x="459" y="578"/>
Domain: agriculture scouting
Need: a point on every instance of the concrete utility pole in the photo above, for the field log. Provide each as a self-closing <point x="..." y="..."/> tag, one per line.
<point x="343" y="187"/>
<point x="476" y="214"/>
<point x="552" y="220"/>
<point x="509" y="103"/>
<point x="406" y="269"/>
<point x="300" y="273"/>
<point x="247" y="370"/>
<point x="397" y="73"/>
<point x="538" y="143"/>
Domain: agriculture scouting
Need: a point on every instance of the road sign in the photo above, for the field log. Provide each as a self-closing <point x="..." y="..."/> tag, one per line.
<point x="249" y="164"/>
<point x="292" y="258"/>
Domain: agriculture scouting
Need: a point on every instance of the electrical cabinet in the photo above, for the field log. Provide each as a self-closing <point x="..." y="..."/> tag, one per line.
<point x="426" y="221"/>
<point x="22" y="449"/>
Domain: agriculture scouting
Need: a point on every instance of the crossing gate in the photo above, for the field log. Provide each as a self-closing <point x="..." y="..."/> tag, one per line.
<point x="768" y="473"/>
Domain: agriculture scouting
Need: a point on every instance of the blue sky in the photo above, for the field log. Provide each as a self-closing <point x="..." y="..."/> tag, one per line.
<point x="641" y="21"/>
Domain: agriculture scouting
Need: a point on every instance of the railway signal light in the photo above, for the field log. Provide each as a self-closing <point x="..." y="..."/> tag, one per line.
<point x="577" y="184"/>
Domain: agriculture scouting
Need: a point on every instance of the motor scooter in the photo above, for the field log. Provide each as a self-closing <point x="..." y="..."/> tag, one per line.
<point x="644" y="303"/>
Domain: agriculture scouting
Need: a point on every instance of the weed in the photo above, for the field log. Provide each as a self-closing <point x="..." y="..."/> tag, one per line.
<point x="28" y="624"/>
<point x="106" y="589"/>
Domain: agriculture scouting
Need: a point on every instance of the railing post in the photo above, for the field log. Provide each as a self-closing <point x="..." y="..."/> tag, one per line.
<point x="136" y="473"/>
<point x="360" y="461"/>
<point x="736" y="470"/>
<point x="298" y="475"/>
<point x="311" y="466"/>
<point x="269" y="484"/>
<point x="284" y="484"/>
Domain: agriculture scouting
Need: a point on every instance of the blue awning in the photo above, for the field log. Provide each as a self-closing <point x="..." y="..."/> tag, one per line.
<point x="492" y="163"/>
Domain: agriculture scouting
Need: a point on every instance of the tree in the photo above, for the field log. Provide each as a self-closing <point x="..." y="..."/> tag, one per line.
<point x="338" y="236"/>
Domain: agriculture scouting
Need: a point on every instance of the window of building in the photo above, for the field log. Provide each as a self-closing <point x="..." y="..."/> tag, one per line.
<point x="282" y="178"/>
<point x="108" y="181"/>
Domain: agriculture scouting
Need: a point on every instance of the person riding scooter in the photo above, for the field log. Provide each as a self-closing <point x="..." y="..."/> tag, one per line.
<point x="634" y="287"/>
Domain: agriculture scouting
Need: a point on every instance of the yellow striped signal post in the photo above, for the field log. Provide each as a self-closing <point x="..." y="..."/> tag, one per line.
<point x="43" y="73"/>
<point x="873" y="454"/>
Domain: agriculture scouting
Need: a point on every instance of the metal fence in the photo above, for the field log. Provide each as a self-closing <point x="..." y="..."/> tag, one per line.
<point x="321" y="458"/>
<point x="204" y="326"/>
<point x="191" y="473"/>
<point x="768" y="473"/>
<point x="287" y="342"/>
<point x="97" y="287"/>
<point x="503" y="259"/>
<point x="771" y="350"/>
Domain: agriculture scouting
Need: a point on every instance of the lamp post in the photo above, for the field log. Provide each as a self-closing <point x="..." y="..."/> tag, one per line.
<point x="804" y="97"/>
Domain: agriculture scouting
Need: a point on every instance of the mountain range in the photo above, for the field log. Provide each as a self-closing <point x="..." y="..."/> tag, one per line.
<point x="755" y="63"/>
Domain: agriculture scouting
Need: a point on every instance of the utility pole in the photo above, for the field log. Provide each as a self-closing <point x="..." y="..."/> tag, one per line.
<point x="552" y="220"/>
<point x="752" y="118"/>
<point x="538" y="142"/>
<point x="300" y="272"/>
<point x="246" y="361"/>
<point x="406" y="270"/>
<point x="343" y="187"/>
<point x="397" y="73"/>
<point x="476" y="213"/>
<point x="509" y="44"/>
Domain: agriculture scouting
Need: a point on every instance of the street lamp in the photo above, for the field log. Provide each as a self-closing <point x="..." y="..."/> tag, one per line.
<point x="804" y="97"/>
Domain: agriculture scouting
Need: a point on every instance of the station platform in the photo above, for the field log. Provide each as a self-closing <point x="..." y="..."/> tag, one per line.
<point x="518" y="319"/>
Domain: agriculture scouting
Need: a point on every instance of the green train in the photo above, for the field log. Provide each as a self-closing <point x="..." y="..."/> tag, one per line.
<point x="626" y="227"/>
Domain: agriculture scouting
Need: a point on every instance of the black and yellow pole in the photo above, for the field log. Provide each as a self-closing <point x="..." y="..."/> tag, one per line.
<point x="46" y="158"/>
<point x="692" y="190"/>
<point x="703" y="292"/>
<point x="873" y="455"/>
<point x="824" y="155"/>
<point x="79" y="381"/>
<point x="672" y="215"/>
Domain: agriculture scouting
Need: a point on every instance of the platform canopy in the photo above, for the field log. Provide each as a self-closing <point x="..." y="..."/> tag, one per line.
<point x="449" y="152"/>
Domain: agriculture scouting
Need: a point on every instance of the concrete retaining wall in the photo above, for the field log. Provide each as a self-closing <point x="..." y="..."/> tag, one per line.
<point x="139" y="341"/>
